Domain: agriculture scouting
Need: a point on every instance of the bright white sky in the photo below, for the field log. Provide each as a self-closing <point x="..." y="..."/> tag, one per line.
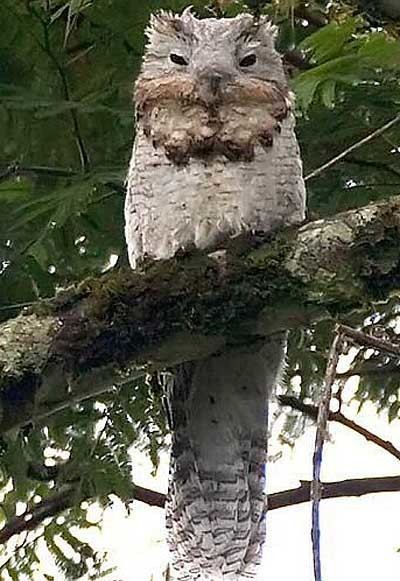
<point x="360" y="536"/>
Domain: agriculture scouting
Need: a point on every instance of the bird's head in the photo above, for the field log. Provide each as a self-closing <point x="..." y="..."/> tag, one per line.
<point x="213" y="54"/>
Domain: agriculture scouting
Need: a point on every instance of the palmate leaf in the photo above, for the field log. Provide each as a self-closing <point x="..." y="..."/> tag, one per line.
<point x="328" y="42"/>
<point x="62" y="201"/>
<point x="345" y="60"/>
<point x="99" y="463"/>
<point x="42" y="216"/>
<point x="52" y="254"/>
<point x="344" y="70"/>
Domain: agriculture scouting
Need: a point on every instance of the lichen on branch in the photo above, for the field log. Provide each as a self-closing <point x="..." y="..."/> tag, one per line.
<point x="96" y="335"/>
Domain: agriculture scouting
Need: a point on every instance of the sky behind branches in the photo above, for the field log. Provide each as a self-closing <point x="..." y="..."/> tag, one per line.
<point x="360" y="536"/>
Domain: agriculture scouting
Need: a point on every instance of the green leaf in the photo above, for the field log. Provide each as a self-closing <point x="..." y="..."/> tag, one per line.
<point x="328" y="90"/>
<point x="328" y="42"/>
<point x="380" y="50"/>
<point x="393" y="412"/>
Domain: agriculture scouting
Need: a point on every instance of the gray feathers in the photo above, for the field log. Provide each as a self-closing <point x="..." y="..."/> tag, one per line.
<point x="216" y="505"/>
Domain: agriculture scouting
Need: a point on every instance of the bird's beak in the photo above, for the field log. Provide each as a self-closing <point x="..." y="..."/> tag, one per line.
<point x="210" y="85"/>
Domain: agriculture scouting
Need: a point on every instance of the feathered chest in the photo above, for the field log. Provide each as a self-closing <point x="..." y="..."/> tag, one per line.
<point x="202" y="172"/>
<point x="230" y="121"/>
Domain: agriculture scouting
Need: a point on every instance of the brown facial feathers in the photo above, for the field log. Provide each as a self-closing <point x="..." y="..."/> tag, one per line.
<point x="247" y="112"/>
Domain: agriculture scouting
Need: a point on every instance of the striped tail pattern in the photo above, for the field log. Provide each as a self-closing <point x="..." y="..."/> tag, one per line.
<point x="215" y="513"/>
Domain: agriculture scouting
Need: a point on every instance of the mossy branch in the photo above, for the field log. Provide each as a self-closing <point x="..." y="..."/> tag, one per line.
<point x="102" y="332"/>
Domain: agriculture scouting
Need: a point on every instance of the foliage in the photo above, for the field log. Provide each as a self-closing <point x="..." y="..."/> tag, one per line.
<point x="343" y="54"/>
<point x="66" y="127"/>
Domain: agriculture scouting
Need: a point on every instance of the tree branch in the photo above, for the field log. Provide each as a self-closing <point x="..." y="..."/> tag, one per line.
<point x="371" y="341"/>
<point x="56" y="504"/>
<point x="338" y="417"/>
<point x="378" y="370"/>
<point x="320" y="436"/>
<point x="352" y="148"/>
<point x="338" y="489"/>
<point x="104" y="331"/>
<point x="63" y="500"/>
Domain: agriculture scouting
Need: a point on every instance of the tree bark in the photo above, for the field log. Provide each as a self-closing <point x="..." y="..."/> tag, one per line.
<point x="104" y="331"/>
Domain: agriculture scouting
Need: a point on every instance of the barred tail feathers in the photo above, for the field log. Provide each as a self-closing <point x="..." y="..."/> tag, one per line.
<point x="216" y="502"/>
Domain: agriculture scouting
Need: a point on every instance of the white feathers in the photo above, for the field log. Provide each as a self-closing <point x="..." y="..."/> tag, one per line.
<point x="170" y="207"/>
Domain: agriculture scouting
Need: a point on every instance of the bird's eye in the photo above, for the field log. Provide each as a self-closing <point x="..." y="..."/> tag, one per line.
<point x="178" y="59"/>
<point x="248" y="60"/>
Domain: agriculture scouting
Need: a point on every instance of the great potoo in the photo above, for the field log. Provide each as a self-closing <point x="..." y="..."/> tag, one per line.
<point x="215" y="155"/>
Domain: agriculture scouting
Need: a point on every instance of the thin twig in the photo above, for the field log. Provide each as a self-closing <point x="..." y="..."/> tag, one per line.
<point x="341" y="332"/>
<point x="46" y="47"/>
<point x="370" y="341"/>
<point x="370" y="436"/>
<point x="338" y="417"/>
<point x="353" y="147"/>
<point x="322" y="421"/>
<point x="18" y="170"/>
<point x="18" y="306"/>
<point x="391" y="368"/>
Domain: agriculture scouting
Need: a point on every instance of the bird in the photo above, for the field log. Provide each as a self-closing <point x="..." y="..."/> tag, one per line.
<point x="214" y="156"/>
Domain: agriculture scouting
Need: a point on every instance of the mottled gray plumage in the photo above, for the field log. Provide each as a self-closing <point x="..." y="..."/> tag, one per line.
<point x="215" y="154"/>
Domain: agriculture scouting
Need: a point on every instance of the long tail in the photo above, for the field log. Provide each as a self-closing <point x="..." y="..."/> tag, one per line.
<point x="216" y="502"/>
